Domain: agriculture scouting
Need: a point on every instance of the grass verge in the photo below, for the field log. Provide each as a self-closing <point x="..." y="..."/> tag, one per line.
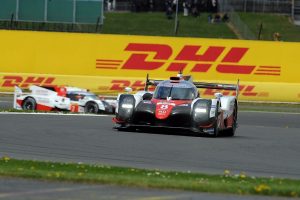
<point x="272" y="23"/>
<point x="157" y="24"/>
<point x="269" y="107"/>
<point x="143" y="23"/>
<point x="100" y="174"/>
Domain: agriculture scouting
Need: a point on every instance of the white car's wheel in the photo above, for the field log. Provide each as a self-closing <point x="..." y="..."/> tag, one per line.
<point x="91" y="107"/>
<point x="29" y="104"/>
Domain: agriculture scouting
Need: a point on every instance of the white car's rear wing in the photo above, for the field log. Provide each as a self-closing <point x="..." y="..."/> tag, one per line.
<point x="18" y="92"/>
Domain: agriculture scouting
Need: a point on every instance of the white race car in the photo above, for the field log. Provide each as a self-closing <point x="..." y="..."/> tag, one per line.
<point x="61" y="99"/>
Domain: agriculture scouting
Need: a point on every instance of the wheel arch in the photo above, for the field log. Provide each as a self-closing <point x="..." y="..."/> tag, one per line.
<point x="28" y="97"/>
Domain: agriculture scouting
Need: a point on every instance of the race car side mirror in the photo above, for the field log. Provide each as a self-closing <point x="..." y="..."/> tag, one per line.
<point x="128" y="89"/>
<point x="218" y="95"/>
<point x="147" y="96"/>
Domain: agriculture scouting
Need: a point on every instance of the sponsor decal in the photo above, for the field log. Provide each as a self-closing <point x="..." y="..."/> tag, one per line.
<point x="184" y="105"/>
<point x="208" y="130"/>
<point x="24" y="82"/>
<point x="142" y="58"/>
<point x="164" y="106"/>
<point x="120" y="85"/>
<point x="163" y="109"/>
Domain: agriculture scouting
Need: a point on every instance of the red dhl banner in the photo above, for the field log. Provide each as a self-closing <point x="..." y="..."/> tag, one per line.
<point x="44" y="58"/>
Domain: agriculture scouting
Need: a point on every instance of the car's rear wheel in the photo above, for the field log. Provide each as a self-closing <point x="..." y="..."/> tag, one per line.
<point x="231" y="131"/>
<point x="29" y="104"/>
<point x="91" y="107"/>
<point x="217" y="122"/>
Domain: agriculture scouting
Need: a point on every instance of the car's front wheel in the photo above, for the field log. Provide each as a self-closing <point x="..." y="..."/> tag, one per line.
<point x="91" y="107"/>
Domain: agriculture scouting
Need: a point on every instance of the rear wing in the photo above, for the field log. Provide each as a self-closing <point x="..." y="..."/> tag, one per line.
<point x="219" y="86"/>
<point x="18" y="92"/>
<point x="150" y="82"/>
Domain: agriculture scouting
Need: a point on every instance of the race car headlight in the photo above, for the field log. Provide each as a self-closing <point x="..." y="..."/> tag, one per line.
<point x="201" y="110"/>
<point x="128" y="106"/>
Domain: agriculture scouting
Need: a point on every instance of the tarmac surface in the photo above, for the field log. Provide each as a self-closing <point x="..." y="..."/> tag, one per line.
<point x="266" y="144"/>
<point x="6" y="102"/>
<point x="21" y="189"/>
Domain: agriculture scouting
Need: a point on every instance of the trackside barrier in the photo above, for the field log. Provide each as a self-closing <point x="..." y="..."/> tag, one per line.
<point x="268" y="71"/>
<point x="111" y="86"/>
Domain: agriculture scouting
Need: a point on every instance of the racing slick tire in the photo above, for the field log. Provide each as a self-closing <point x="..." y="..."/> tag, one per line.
<point x="216" y="125"/>
<point x="126" y="107"/>
<point x="125" y="112"/>
<point x="231" y="131"/>
<point x="91" y="107"/>
<point x="29" y="104"/>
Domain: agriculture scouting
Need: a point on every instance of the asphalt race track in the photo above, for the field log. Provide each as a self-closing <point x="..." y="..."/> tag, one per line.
<point x="266" y="144"/>
<point x="6" y="102"/>
<point x="22" y="189"/>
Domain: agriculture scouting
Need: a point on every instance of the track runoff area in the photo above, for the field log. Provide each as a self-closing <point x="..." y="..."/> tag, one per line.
<point x="265" y="144"/>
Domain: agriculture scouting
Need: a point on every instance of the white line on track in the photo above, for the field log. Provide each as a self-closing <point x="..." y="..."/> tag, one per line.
<point x="60" y="114"/>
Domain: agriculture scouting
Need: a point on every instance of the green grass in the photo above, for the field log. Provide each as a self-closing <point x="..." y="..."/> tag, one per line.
<point x="158" y="25"/>
<point x="269" y="107"/>
<point x="154" y="24"/>
<point x="272" y="23"/>
<point x="99" y="174"/>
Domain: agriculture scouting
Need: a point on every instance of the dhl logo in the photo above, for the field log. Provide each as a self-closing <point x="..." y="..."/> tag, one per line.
<point x="12" y="81"/>
<point x="189" y="54"/>
<point x="245" y="90"/>
<point x="120" y="85"/>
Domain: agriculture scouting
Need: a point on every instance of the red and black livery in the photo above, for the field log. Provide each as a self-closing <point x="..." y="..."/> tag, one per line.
<point x="176" y="103"/>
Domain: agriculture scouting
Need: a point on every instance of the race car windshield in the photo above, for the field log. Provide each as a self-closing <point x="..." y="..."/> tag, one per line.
<point x="93" y="97"/>
<point x="176" y="93"/>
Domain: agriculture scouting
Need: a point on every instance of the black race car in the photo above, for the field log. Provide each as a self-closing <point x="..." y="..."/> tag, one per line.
<point x="176" y="103"/>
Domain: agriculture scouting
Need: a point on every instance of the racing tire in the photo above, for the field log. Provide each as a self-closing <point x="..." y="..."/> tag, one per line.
<point x="216" y="123"/>
<point x="91" y="107"/>
<point x="231" y="131"/>
<point x="29" y="104"/>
